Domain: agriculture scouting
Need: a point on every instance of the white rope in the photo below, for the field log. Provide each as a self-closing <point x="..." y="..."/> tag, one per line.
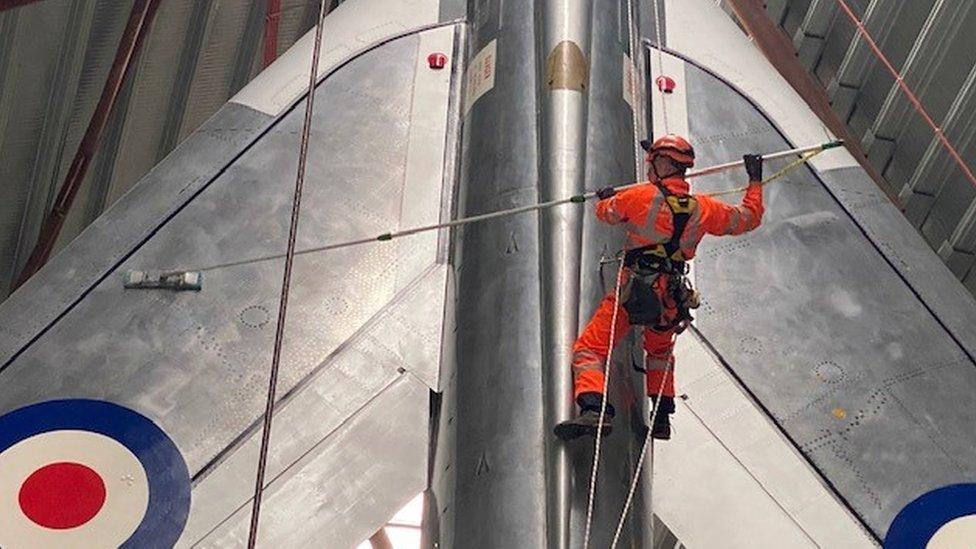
<point x="636" y="89"/>
<point x="660" y="65"/>
<point x="640" y="464"/>
<point x="603" y="408"/>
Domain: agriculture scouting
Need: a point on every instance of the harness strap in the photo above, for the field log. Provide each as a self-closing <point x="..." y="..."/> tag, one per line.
<point x="668" y="254"/>
<point x="650" y="262"/>
<point x="681" y="208"/>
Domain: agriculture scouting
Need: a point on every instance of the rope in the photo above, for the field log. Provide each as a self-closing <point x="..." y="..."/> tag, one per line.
<point x="781" y="173"/>
<point x="613" y="326"/>
<point x="640" y="463"/>
<point x="657" y="403"/>
<point x="285" y="285"/>
<point x="603" y="408"/>
<point x="636" y="83"/>
<point x="912" y="98"/>
<point x="660" y="65"/>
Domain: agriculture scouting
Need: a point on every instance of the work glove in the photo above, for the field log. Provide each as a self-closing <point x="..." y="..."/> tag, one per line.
<point x="606" y="192"/>
<point x="754" y="166"/>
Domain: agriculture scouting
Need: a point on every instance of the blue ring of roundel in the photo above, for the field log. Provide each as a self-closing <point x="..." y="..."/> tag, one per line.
<point x="915" y="525"/>
<point x="169" y="479"/>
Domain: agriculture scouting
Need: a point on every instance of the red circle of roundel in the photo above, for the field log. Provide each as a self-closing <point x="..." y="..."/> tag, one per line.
<point x="62" y="495"/>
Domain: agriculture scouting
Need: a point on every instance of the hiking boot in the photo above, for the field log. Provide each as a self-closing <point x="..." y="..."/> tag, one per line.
<point x="587" y="423"/>
<point x="662" y="428"/>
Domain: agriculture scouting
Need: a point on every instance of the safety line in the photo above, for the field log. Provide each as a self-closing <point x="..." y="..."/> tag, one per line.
<point x="640" y="462"/>
<point x="285" y="285"/>
<point x="637" y="112"/>
<point x="603" y="408"/>
<point x="606" y="375"/>
<point x="656" y="407"/>
<point x="576" y="199"/>
<point x="900" y="81"/>
<point x="660" y="66"/>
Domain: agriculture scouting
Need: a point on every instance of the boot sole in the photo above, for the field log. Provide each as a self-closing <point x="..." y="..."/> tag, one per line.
<point x="572" y="431"/>
<point x="661" y="435"/>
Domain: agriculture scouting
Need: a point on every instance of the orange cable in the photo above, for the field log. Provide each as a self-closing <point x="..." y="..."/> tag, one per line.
<point x="863" y="31"/>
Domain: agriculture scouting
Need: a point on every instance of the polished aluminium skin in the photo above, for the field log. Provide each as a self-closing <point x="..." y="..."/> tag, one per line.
<point x="566" y="28"/>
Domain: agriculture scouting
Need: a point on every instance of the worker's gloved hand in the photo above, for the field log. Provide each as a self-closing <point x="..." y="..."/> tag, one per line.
<point x="754" y="166"/>
<point x="606" y="192"/>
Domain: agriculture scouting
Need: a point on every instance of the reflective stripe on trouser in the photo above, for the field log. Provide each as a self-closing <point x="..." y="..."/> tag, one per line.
<point x="592" y="346"/>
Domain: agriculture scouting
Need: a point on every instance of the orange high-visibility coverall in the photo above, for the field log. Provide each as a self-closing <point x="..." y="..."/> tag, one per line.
<point x="649" y="221"/>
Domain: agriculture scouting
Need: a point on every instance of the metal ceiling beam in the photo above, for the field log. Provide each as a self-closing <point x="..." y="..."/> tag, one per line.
<point x="810" y="38"/>
<point x="247" y="48"/>
<point x="920" y="70"/>
<point x="778" y="49"/>
<point x="8" y="28"/>
<point x="776" y="10"/>
<point x="133" y="37"/>
<point x="102" y="172"/>
<point x="193" y="47"/>
<point x="844" y="87"/>
<point x="936" y="168"/>
<point x="937" y="171"/>
<point x="49" y="154"/>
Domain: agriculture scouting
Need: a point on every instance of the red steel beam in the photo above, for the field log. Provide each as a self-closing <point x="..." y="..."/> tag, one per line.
<point x="779" y="50"/>
<point x="11" y="4"/>
<point x="272" y="17"/>
<point x="133" y="37"/>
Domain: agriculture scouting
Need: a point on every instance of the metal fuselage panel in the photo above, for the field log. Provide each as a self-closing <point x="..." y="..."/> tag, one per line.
<point x="489" y="471"/>
<point x="526" y="284"/>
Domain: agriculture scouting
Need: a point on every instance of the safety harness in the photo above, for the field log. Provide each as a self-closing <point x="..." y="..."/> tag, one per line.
<point x="660" y="270"/>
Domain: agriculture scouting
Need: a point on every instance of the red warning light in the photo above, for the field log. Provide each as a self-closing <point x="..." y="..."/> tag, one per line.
<point x="437" y="61"/>
<point x="666" y="84"/>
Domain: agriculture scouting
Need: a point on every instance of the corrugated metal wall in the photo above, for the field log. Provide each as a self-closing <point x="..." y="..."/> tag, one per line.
<point x="54" y="59"/>
<point x="931" y="42"/>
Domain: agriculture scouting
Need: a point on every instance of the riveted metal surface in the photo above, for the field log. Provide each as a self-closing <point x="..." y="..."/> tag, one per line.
<point x="111" y="238"/>
<point x="364" y="320"/>
<point x="489" y="473"/>
<point x="830" y="301"/>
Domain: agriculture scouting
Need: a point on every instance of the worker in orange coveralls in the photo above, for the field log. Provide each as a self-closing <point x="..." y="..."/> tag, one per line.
<point x="664" y="223"/>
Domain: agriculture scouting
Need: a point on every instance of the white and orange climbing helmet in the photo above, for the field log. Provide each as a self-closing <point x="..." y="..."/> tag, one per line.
<point x="673" y="146"/>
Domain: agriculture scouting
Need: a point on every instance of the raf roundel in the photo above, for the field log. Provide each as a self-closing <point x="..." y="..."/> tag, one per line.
<point x="88" y="473"/>
<point x="941" y="519"/>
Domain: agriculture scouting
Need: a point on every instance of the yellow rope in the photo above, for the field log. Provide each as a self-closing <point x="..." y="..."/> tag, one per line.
<point x="785" y="170"/>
